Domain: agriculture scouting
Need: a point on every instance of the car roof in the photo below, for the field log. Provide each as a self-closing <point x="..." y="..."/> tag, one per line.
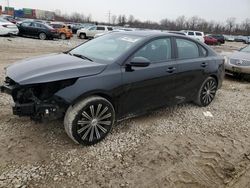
<point x="147" y="33"/>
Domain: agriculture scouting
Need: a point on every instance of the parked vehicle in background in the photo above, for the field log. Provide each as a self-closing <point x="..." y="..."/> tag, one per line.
<point x="210" y="40"/>
<point x="240" y="38"/>
<point x="114" y="30"/>
<point x="229" y="38"/>
<point x="37" y="29"/>
<point x="123" y="29"/>
<point x="198" y="35"/>
<point x="62" y="29"/>
<point x="78" y="26"/>
<point x="7" y="28"/>
<point x="176" y="32"/>
<point x="239" y="62"/>
<point x="220" y="38"/>
<point x="91" y="31"/>
<point x="113" y="77"/>
<point x="8" y="18"/>
<point x="247" y="40"/>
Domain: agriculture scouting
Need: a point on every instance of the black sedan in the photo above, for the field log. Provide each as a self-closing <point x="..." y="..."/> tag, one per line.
<point x="37" y="29"/>
<point x="116" y="76"/>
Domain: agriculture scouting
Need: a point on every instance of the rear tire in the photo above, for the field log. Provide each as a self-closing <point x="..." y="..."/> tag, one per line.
<point x="42" y="36"/>
<point x="207" y="92"/>
<point x="90" y="120"/>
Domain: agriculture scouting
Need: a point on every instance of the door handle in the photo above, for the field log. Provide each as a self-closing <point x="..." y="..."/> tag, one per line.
<point x="204" y="64"/>
<point x="171" y="69"/>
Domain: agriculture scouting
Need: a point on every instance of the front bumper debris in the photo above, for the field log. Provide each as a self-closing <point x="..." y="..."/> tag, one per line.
<point x="30" y="109"/>
<point x="6" y="89"/>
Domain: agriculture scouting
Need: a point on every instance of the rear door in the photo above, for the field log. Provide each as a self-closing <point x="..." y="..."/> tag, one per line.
<point x="33" y="29"/>
<point x="192" y="67"/>
<point x="153" y="86"/>
<point x="100" y="29"/>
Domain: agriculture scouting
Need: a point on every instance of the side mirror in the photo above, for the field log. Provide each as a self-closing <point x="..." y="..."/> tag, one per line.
<point x="139" y="62"/>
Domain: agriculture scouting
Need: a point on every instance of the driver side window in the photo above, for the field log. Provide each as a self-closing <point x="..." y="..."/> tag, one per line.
<point x="158" y="50"/>
<point x="92" y="28"/>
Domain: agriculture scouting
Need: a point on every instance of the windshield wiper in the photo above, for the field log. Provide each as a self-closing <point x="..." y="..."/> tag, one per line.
<point x="81" y="56"/>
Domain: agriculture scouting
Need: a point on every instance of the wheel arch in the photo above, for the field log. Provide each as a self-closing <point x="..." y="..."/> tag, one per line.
<point x="99" y="93"/>
<point x="215" y="77"/>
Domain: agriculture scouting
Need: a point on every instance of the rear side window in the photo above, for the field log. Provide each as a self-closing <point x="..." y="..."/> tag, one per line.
<point x="158" y="50"/>
<point x="36" y="25"/>
<point x="190" y="33"/>
<point x="198" y="34"/>
<point x="187" y="49"/>
<point x="110" y="29"/>
<point x="56" y="26"/>
<point x="26" y="24"/>
<point x="100" y="28"/>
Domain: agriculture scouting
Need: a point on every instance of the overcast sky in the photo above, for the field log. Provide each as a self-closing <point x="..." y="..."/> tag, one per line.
<point x="155" y="10"/>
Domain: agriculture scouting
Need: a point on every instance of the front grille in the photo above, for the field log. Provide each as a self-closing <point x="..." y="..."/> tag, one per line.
<point x="240" y="62"/>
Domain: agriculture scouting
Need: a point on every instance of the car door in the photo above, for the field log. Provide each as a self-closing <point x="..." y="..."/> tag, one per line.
<point x="91" y="32"/>
<point x="24" y="27"/>
<point x="100" y="29"/>
<point x="33" y="29"/>
<point x="152" y="86"/>
<point x="192" y="66"/>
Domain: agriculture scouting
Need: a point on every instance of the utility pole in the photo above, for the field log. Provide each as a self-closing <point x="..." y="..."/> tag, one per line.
<point x="8" y="4"/>
<point x="109" y="16"/>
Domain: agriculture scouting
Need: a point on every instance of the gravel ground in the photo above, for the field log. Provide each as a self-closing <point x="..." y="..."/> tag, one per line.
<point x="174" y="147"/>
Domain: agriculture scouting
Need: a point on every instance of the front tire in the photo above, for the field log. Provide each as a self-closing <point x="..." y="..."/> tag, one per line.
<point x="207" y="92"/>
<point x="83" y="36"/>
<point x="90" y="120"/>
<point x="63" y="36"/>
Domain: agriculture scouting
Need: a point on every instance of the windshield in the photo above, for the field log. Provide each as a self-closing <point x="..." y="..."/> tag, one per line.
<point x="246" y="49"/>
<point x="107" y="48"/>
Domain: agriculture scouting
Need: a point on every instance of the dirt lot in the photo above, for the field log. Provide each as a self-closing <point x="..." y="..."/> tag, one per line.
<point x="173" y="147"/>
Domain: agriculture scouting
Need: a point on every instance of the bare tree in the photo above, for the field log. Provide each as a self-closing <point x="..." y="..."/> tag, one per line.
<point x="193" y="22"/>
<point x="124" y="19"/>
<point x="88" y="18"/>
<point x="180" y="22"/>
<point x="113" y="19"/>
<point x="119" y="20"/>
<point x="246" y="26"/>
<point x="131" y="19"/>
<point x="230" y="23"/>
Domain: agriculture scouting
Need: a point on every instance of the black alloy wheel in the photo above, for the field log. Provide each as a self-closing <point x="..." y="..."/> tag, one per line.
<point x="90" y="120"/>
<point x="207" y="92"/>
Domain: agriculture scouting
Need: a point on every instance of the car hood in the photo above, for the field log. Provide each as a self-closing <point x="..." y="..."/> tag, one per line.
<point x="240" y="55"/>
<point x="53" y="67"/>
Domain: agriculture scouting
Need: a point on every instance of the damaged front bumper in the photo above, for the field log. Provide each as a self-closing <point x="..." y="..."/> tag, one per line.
<point x="34" y="109"/>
